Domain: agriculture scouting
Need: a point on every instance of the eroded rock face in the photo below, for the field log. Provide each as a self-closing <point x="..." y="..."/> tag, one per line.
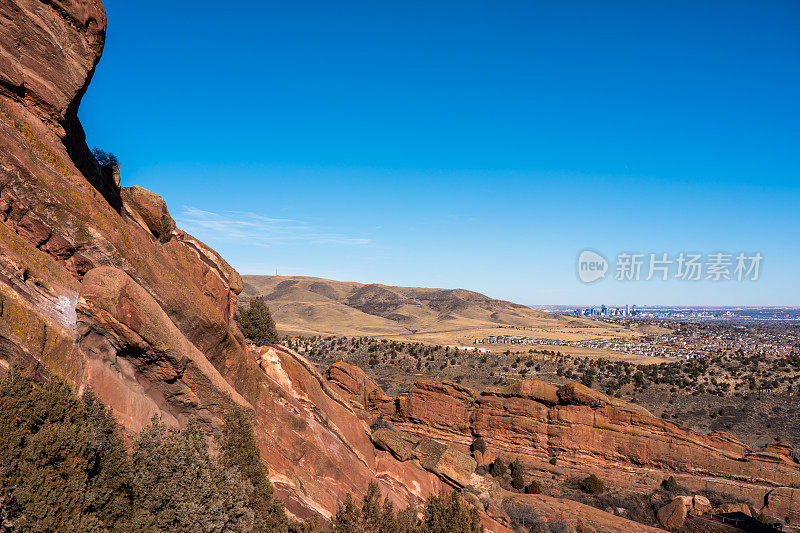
<point x="99" y="287"/>
<point x="150" y="211"/>
<point x="352" y="383"/>
<point x="591" y="433"/>
<point x="576" y="516"/>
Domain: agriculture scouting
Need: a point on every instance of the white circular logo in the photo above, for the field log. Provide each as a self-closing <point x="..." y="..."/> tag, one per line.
<point x="591" y="266"/>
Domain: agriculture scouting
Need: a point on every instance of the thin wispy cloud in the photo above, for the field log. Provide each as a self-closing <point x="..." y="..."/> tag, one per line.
<point x="256" y="230"/>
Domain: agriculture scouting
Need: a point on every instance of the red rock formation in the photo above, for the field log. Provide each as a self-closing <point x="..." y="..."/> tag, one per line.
<point x="98" y="286"/>
<point x="592" y="433"/>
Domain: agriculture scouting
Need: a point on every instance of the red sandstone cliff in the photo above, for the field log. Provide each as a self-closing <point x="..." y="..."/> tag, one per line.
<point x="98" y="286"/>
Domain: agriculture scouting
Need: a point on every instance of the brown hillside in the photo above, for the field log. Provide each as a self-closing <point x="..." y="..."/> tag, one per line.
<point x="314" y="306"/>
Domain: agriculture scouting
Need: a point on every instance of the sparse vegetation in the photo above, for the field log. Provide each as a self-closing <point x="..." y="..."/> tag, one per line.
<point x="441" y="514"/>
<point x="379" y="423"/>
<point x="533" y="488"/>
<point x="669" y="484"/>
<point x="750" y="394"/>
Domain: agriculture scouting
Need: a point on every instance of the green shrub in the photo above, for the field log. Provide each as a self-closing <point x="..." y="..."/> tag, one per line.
<point x="450" y="514"/>
<point x="592" y="485"/>
<point x="517" y="469"/>
<point x="478" y="445"/>
<point x="552" y="461"/>
<point x="238" y="450"/>
<point x="62" y="464"/>
<point x="670" y="484"/>
<point x="63" y="467"/>
<point x="518" y="482"/>
<point x="104" y="158"/>
<point x="441" y="514"/>
<point x="498" y="468"/>
<point x="533" y="488"/>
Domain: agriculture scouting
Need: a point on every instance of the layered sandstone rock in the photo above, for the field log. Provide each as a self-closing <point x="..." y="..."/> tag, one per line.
<point x="591" y="433"/>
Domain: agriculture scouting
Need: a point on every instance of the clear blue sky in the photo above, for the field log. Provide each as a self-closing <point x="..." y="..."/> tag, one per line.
<point x="479" y="145"/>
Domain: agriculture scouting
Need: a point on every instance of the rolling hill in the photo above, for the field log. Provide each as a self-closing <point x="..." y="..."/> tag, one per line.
<point x="316" y="306"/>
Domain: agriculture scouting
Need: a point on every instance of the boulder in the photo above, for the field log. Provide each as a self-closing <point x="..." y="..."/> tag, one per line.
<point x="354" y="384"/>
<point x="532" y="389"/>
<point x="445" y="461"/>
<point x="672" y="515"/>
<point x="701" y="504"/>
<point x="391" y="441"/>
<point x="688" y="501"/>
<point x="578" y="394"/>
<point x="150" y="211"/>
<point x="732" y="508"/>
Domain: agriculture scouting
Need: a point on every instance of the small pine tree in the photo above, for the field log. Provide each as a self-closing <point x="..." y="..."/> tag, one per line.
<point x="479" y="445"/>
<point x="517" y="468"/>
<point x="498" y="468"/>
<point x="348" y="517"/>
<point x="670" y="484"/>
<point x="256" y="323"/>
<point x="48" y="456"/>
<point x="518" y="482"/>
<point x="177" y="485"/>
<point x="238" y="450"/>
<point x="371" y="509"/>
<point x="111" y="487"/>
<point x="104" y="158"/>
<point x="592" y="485"/>
<point x="450" y="514"/>
<point x="533" y="488"/>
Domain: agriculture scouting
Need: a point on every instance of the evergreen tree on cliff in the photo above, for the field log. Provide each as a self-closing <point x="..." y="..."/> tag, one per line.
<point x="256" y="322"/>
<point x="177" y="486"/>
<point x="56" y="467"/>
<point x="238" y="450"/>
<point x="111" y="489"/>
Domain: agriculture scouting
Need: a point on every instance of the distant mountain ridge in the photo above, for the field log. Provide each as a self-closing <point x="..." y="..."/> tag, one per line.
<point x="302" y="304"/>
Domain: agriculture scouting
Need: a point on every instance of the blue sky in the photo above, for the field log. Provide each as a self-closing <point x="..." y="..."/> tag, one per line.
<point x="466" y="144"/>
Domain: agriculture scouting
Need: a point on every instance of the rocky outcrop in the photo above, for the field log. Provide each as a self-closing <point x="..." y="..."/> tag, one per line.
<point x="150" y="211"/>
<point x="391" y="441"/>
<point x="574" y="516"/>
<point x="363" y="393"/>
<point x="591" y="433"/>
